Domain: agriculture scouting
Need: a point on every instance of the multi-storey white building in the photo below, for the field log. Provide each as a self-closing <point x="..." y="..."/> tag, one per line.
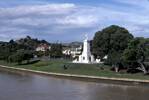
<point x="73" y="51"/>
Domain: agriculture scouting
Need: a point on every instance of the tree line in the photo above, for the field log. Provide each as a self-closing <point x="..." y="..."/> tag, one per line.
<point x="24" y="49"/>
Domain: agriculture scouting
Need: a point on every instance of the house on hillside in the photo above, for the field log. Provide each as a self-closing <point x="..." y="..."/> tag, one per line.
<point x="43" y="47"/>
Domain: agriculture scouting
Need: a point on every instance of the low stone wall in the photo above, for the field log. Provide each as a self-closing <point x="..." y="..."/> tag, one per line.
<point x="82" y="77"/>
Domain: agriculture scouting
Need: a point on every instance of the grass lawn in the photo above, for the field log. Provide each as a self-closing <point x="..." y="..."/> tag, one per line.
<point x="81" y="69"/>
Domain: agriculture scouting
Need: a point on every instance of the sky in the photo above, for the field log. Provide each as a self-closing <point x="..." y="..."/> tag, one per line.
<point x="70" y="20"/>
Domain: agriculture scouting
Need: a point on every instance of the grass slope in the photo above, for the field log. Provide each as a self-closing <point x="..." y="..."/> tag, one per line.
<point x="80" y="69"/>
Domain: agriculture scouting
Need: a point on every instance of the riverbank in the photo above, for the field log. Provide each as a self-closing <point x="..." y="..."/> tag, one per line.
<point x="57" y="66"/>
<point x="85" y="77"/>
<point x="22" y="85"/>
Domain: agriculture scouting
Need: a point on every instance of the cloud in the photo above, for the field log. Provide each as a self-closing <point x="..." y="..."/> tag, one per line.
<point x="69" y="21"/>
<point x="29" y="10"/>
<point x="143" y="3"/>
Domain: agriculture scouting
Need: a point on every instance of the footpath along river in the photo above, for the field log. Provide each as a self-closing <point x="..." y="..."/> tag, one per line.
<point x="25" y="86"/>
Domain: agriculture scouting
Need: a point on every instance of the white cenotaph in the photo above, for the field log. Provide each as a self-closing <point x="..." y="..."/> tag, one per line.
<point x="86" y="56"/>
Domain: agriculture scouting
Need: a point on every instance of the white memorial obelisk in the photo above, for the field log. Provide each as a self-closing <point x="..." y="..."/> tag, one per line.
<point x="86" y="56"/>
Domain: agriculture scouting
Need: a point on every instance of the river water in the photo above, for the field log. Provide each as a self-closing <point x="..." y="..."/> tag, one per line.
<point x="15" y="86"/>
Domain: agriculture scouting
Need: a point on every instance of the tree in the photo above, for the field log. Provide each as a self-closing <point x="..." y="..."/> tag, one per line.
<point x="11" y="41"/>
<point x="28" y="54"/>
<point x="30" y="43"/>
<point x="56" y="50"/>
<point x="17" y="57"/>
<point x="20" y="56"/>
<point x="136" y="53"/>
<point x="111" y="41"/>
<point x="10" y="48"/>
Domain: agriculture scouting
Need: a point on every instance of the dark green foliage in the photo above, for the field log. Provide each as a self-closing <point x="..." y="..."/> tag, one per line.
<point x="137" y="50"/>
<point x="10" y="48"/>
<point x="56" y="50"/>
<point x="114" y="58"/>
<point x="31" y="43"/>
<point x="136" y="54"/>
<point x="111" y="41"/>
<point x="20" y="56"/>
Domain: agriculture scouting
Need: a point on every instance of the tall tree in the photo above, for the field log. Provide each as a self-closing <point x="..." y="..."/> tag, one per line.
<point x="111" y="41"/>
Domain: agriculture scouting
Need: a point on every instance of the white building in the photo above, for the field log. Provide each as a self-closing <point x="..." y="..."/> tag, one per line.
<point x="86" y="56"/>
<point x="43" y="47"/>
<point x="66" y="52"/>
<point x="74" y="51"/>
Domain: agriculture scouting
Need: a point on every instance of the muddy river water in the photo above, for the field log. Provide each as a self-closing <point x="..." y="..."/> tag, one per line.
<point x="14" y="86"/>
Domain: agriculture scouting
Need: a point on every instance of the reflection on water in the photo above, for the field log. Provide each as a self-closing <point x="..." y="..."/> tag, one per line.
<point x="35" y="87"/>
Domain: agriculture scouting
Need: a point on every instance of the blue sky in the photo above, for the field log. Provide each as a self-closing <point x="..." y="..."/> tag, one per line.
<point x="69" y="20"/>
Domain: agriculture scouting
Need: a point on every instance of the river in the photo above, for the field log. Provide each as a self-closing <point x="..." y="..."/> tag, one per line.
<point x="14" y="86"/>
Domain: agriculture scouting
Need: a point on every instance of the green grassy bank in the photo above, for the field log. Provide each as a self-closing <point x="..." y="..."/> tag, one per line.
<point x="57" y="66"/>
